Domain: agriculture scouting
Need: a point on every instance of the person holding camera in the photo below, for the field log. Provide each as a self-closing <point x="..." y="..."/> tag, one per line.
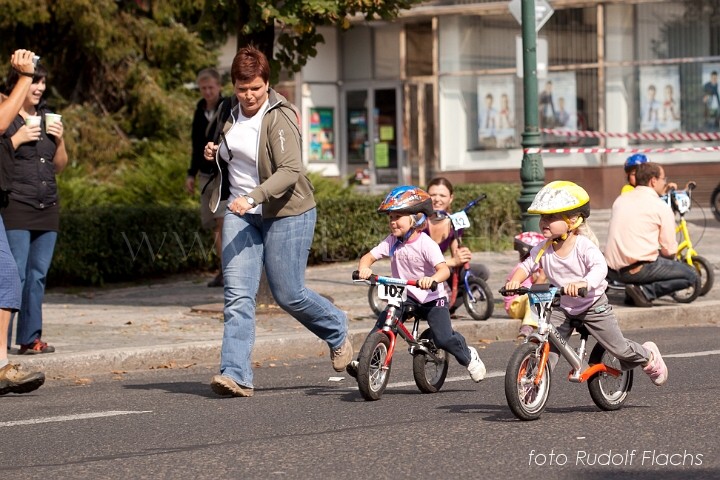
<point x="12" y="380"/>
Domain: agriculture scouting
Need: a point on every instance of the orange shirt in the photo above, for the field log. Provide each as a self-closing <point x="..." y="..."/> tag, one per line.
<point x="640" y="224"/>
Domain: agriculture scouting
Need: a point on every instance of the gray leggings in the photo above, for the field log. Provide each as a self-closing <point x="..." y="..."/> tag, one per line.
<point x="602" y="324"/>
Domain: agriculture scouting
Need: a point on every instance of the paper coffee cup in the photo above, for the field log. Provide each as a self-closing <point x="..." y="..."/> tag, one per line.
<point x="51" y="118"/>
<point x="32" y="120"/>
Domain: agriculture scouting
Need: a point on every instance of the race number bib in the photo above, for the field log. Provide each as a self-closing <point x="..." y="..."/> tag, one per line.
<point x="388" y="292"/>
<point x="460" y="220"/>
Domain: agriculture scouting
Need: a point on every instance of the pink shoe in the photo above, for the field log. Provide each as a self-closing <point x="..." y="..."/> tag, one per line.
<point x="655" y="368"/>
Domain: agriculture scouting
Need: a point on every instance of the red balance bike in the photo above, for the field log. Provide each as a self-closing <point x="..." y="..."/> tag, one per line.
<point x="430" y="364"/>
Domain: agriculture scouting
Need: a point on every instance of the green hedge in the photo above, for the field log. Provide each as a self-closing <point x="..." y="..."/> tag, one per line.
<point x="105" y="244"/>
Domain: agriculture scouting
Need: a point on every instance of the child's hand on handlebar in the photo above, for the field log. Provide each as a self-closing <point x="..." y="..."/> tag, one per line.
<point x="572" y="289"/>
<point x="364" y="273"/>
<point x="512" y="285"/>
<point x="425" y="283"/>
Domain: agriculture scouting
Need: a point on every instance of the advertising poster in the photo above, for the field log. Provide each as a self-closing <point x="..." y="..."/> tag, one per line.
<point x="557" y="101"/>
<point x="710" y="97"/>
<point x="322" y="138"/>
<point x="659" y="99"/>
<point x="496" y="112"/>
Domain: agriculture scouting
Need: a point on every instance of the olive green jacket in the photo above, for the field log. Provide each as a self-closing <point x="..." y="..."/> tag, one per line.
<point x="284" y="188"/>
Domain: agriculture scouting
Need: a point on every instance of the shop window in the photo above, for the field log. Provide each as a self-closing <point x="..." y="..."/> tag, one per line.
<point x="387" y="52"/>
<point x="419" y="40"/>
<point x="357" y="53"/>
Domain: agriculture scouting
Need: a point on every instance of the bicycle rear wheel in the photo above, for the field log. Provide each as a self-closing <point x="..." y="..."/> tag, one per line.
<point x="430" y="374"/>
<point x="372" y="375"/>
<point x="607" y="391"/>
<point x="526" y="399"/>
<point x="479" y="301"/>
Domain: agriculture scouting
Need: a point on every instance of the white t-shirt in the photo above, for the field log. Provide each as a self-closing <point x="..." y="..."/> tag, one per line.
<point x="242" y="139"/>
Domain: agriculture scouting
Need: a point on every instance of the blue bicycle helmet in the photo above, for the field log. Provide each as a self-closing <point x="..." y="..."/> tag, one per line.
<point x="634" y="160"/>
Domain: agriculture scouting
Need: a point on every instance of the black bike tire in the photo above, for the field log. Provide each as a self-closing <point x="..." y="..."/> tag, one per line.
<point x="475" y="310"/>
<point x="369" y="362"/>
<point x="420" y="364"/>
<point x="715" y="203"/>
<point x="522" y="355"/>
<point x="706" y="266"/>
<point x="599" y="392"/>
<point x="376" y="305"/>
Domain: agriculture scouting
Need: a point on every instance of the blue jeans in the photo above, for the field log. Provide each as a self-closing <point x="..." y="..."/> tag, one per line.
<point x="661" y="277"/>
<point x="282" y="245"/>
<point x="33" y="252"/>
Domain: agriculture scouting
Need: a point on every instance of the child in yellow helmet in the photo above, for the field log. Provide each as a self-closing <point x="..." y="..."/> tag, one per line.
<point x="571" y="258"/>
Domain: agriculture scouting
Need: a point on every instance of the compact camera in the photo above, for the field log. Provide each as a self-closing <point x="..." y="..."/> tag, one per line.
<point x="36" y="59"/>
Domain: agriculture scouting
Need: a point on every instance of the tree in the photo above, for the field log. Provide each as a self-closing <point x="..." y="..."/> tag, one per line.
<point x="297" y="21"/>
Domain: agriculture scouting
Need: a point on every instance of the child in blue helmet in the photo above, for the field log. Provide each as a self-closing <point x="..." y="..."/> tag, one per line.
<point x="631" y="165"/>
<point x="414" y="255"/>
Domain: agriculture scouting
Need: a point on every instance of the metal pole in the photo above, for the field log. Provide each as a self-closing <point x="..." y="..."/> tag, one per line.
<point x="532" y="172"/>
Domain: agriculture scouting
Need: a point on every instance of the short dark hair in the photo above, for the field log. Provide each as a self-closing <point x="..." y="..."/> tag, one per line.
<point x="646" y="172"/>
<point x="248" y="64"/>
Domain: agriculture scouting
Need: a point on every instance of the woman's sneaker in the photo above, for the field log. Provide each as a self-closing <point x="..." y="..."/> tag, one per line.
<point x="14" y="381"/>
<point x="655" y="368"/>
<point x="476" y="366"/>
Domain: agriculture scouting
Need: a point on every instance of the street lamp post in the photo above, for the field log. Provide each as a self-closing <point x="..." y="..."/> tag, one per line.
<point x="532" y="172"/>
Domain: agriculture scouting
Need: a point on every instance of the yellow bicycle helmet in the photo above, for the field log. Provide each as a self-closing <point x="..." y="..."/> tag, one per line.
<point x="561" y="196"/>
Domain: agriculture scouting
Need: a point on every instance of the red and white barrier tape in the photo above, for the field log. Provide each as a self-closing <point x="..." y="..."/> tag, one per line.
<point x="633" y="135"/>
<point x="621" y="150"/>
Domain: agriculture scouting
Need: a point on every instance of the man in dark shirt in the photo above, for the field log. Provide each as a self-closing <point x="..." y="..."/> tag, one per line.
<point x="203" y="129"/>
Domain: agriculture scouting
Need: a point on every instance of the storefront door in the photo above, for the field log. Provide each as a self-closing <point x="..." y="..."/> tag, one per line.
<point x="373" y="148"/>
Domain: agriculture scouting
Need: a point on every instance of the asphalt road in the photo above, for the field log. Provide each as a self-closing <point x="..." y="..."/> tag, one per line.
<point x="306" y="422"/>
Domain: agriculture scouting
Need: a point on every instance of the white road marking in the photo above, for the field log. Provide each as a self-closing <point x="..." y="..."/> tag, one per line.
<point x="692" y="354"/>
<point x="70" y="418"/>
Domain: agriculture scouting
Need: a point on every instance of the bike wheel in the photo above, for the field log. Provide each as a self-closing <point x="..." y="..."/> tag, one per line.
<point x="479" y="301"/>
<point x="372" y="376"/>
<point x="526" y="400"/>
<point x="705" y="272"/>
<point x="608" y="392"/>
<point x="715" y="203"/>
<point x="376" y="305"/>
<point x="687" y="295"/>
<point x="430" y="374"/>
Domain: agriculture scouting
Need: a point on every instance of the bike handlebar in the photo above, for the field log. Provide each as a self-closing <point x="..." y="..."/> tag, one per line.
<point x="538" y="289"/>
<point x="389" y="281"/>
<point x="472" y="203"/>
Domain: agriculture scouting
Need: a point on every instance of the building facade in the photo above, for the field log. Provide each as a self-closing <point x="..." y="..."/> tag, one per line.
<point x="438" y="92"/>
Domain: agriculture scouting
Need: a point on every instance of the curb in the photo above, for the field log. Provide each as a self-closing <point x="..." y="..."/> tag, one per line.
<point x="282" y="346"/>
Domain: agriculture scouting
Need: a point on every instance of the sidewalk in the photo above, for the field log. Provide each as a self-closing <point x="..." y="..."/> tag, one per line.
<point x="178" y="322"/>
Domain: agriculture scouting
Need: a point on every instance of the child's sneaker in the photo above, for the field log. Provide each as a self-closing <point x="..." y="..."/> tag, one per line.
<point x="655" y="368"/>
<point x="476" y="366"/>
<point x="525" y="331"/>
<point x="352" y="368"/>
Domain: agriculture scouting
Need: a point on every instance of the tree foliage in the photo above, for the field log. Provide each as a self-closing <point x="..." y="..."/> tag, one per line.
<point x="118" y="70"/>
